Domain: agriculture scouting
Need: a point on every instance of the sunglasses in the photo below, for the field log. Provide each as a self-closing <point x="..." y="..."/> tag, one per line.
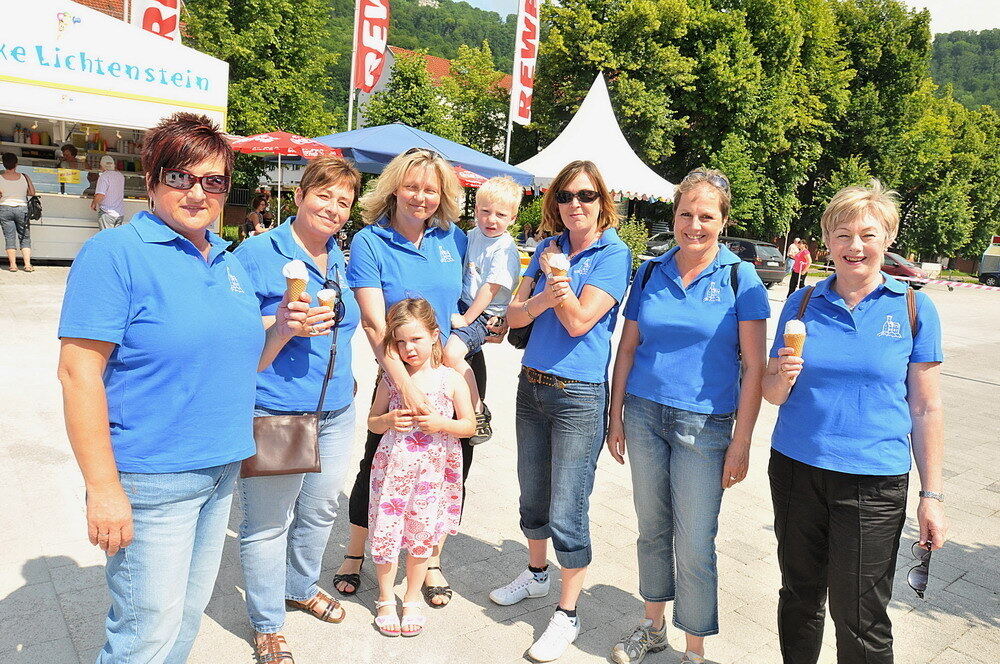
<point x="175" y="178"/>
<point x="334" y="284"/>
<point x="584" y="196"/>
<point x="917" y="576"/>
<point x="718" y="180"/>
<point x="427" y="150"/>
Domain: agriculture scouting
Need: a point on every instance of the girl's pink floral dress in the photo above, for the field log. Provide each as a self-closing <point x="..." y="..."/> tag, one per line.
<point x="416" y="483"/>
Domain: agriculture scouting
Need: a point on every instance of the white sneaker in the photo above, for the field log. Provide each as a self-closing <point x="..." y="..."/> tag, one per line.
<point x="561" y="632"/>
<point x="523" y="586"/>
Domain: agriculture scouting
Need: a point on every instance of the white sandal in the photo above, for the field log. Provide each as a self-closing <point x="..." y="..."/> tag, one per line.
<point x="387" y="625"/>
<point x="415" y="622"/>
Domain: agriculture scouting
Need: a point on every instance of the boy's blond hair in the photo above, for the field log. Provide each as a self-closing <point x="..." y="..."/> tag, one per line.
<point x="501" y="189"/>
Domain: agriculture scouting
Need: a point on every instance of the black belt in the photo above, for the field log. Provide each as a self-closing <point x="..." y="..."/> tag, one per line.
<point x="547" y="379"/>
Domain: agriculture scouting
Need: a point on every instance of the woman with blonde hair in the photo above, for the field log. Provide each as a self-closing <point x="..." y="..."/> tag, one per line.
<point x="855" y="401"/>
<point x="409" y="248"/>
<point x="571" y="293"/>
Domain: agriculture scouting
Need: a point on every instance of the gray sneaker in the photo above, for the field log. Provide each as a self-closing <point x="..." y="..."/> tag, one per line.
<point x="642" y="640"/>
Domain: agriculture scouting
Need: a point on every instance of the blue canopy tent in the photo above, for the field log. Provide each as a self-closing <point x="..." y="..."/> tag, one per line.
<point x="371" y="148"/>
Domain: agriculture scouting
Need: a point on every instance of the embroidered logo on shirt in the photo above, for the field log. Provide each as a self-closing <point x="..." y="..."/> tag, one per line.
<point x="890" y="328"/>
<point x="446" y="256"/>
<point x="234" y="284"/>
<point x="584" y="267"/>
<point x="713" y="293"/>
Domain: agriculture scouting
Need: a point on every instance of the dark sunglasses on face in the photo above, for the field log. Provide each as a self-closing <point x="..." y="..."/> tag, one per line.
<point x="176" y="178"/>
<point x="917" y="577"/>
<point x="717" y="180"/>
<point x="584" y="196"/>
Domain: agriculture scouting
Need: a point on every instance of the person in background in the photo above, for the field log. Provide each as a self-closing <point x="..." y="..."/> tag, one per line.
<point x="684" y="401"/>
<point x="15" y="190"/>
<point x="861" y="395"/>
<point x="562" y="389"/>
<point x="254" y="224"/>
<point x="109" y="195"/>
<point x="800" y="268"/>
<point x="287" y="518"/>
<point x="161" y="343"/>
<point x="526" y="232"/>
<point x="70" y="158"/>
<point x="790" y="251"/>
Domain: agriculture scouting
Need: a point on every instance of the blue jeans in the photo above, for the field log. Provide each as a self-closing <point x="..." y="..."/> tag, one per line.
<point x="560" y="433"/>
<point x="287" y="521"/>
<point x="161" y="583"/>
<point x="677" y="458"/>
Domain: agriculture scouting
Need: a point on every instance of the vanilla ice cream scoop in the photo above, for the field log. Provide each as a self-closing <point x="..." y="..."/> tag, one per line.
<point x="795" y="326"/>
<point x="327" y="297"/>
<point x="795" y="335"/>
<point x="295" y="269"/>
<point x="558" y="265"/>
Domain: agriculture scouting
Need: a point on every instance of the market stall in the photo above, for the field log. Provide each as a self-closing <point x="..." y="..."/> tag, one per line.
<point x="70" y="75"/>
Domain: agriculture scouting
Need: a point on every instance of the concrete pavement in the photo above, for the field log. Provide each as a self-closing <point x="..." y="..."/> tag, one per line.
<point x="53" y="598"/>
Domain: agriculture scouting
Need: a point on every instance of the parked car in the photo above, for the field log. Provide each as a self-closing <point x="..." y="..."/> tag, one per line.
<point x="898" y="266"/>
<point x="660" y="243"/>
<point x="765" y="257"/>
<point x="989" y="266"/>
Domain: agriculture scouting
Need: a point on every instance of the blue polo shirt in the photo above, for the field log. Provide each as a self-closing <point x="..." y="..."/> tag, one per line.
<point x="605" y="264"/>
<point x="688" y="352"/>
<point x="847" y="410"/>
<point x="187" y="335"/>
<point x="294" y="380"/>
<point x="382" y="258"/>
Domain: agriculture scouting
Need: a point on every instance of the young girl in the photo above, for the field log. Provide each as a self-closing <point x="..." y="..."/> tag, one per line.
<point x="416" y="480"/>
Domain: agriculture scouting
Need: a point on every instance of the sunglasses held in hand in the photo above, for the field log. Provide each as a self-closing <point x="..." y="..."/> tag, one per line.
<point x="917" y="577"/>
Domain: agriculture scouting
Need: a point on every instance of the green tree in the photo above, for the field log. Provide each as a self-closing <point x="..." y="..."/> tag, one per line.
<point x="476" y="101"/>
<point x="969" y="61"/>
<point x="412" y="99"/>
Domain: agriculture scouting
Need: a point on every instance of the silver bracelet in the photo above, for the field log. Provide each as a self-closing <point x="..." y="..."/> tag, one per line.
<point x="530" y="315"/>
<point x="932" y="494"/>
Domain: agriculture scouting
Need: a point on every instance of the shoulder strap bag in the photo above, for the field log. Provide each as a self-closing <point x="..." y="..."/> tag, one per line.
<point x="289" y="444"/>
<point x="911" y="307"/>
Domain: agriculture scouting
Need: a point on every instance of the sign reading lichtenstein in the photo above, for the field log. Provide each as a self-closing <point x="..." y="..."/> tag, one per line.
<point x="161" y="17"/>
<point x="370" y="41"/>
<point x="525" y="55"/>
<point x="62" y="60"/>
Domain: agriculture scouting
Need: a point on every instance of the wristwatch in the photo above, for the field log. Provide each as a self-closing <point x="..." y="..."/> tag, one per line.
<point x="932" y="494"/>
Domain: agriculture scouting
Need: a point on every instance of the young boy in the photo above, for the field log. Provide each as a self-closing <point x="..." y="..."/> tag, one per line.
<point x="492" y="270"/>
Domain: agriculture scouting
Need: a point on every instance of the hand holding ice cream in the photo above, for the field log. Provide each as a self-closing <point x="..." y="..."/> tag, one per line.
<point x="558" y="265"/>
<point x="296" y="277"/>
<point x="294" y="313"/>
<point x="790" y="357"/>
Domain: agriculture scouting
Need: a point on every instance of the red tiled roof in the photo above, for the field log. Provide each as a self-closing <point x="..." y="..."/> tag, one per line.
<point x="109" y="7"/>
<point x="438" y="68"/>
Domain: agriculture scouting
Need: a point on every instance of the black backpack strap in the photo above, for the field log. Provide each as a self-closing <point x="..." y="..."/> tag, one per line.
<point x="911" y="310"/>
<point x="805" y="302"/>
<point x="734" y="278"/>
<point x="646" y="275"/>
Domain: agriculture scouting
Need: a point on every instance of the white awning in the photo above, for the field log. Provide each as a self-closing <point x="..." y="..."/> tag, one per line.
<point x="594" y="134"/>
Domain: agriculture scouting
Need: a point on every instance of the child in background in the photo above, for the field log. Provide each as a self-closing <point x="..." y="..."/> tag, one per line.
<point x="492" y="270"/>
<point x="416" y="479"/>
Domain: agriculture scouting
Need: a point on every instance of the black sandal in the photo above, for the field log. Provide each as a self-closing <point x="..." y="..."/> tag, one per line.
<point x="430" y="592"/>
<point x="353" y="579"/>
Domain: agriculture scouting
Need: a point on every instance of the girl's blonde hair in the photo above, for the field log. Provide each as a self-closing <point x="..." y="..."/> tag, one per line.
<point x="410" y="310"/>
<point x="551" y="219"/>
<point x="852" y="202"/>
<point x="380" y="199"/>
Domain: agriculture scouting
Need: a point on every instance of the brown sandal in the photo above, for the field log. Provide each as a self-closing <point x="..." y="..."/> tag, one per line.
<point x="322" y="606"/>
<point x="272" y="649"/>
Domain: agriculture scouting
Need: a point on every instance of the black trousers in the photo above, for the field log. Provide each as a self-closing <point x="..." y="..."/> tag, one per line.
<point x="358" y="503"/>
<point x="796" y="281"/>
<point x="838" y="535"/>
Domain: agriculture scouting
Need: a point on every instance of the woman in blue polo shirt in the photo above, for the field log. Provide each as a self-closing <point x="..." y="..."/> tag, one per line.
<point x="287" y="518"/>
<point x="161" y="340"/>
<point x="410" y="248"/>
<point x="693" y="317"/>
<point x="562" y="390"/>
<point x="865" y="390"/>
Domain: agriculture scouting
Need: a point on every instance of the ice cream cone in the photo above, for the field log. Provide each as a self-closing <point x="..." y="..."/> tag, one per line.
<point x="327" y="297"/>
<point x="796" y="341"/>
<point x="556" y="272"/>
<point x="294" y="288"/>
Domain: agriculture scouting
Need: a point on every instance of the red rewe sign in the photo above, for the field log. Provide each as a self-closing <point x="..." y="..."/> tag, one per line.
<point x="370" y="41"/>
<point x="525" y="56"/>
<point x="161" y="17"/>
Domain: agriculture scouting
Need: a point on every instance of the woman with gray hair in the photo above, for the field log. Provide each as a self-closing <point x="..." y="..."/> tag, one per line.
<point x="857" y="384"/>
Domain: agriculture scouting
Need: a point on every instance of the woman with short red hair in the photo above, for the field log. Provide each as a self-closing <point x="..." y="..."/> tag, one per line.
<point x="161" y="342"/>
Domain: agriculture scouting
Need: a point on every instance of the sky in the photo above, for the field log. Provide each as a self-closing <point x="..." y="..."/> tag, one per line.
<point x="946" y="15"/>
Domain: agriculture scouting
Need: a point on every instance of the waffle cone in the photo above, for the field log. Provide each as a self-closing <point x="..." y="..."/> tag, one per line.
<point x="556" y="272"/>
<point x="796" y="341"/>
<point x="328" y="303"/>
<point x="294" y="288"/>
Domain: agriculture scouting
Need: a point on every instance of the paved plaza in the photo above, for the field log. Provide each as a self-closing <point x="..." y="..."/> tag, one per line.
<point x="53" y="597"/>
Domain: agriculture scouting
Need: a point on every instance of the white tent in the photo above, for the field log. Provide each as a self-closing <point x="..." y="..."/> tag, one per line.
<point x="594" y="134"/>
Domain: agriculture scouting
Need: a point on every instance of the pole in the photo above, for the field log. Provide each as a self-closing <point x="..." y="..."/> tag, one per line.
<point x="278" y="220"/>
<point x="354" y="55"/>
<point x="506" y="150"/>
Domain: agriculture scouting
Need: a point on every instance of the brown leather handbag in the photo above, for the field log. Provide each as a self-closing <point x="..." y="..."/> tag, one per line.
<point x="289" y="444"/>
